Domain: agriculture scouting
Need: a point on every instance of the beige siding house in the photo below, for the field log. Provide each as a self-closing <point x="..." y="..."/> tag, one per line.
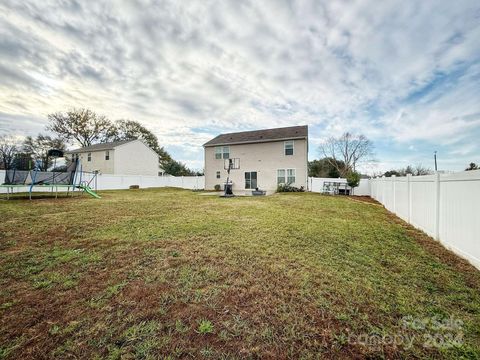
<point x="129" y="157"/>
<point x="266" y="158"/>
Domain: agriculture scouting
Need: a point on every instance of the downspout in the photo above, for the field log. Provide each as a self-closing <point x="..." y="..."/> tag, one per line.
<point x="306" y="155"/>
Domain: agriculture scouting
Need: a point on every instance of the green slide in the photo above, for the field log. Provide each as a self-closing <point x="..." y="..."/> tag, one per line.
<point x="89" y="191"/>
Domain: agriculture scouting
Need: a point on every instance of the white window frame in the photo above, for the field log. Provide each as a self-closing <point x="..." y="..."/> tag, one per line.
<point x="218" y="152"/>
<point x="286" y="176"/>
<point x="218" y="175"/>
<point x="222" y="152"/>
<point x="107" y="155"/>
<point x="290" y="176"/>
<point x="288" y="142"/>
<point x="89" y="156"/>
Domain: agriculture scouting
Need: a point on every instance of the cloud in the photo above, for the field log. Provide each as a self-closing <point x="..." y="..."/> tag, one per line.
<point x="404" y="73"/>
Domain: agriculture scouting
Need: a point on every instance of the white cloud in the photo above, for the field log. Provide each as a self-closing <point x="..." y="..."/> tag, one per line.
<point x="189" y="70"/>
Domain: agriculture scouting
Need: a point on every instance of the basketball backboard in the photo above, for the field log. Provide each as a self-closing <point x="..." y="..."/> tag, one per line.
<point x="233" y="164"/>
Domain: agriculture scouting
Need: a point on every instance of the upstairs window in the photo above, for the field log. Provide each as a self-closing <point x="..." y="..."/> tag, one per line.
<point x="107" y="155"/>
<point x="89" y="157"/>
<point x="218" y="174"/>
<point x="288" y="147"/>
<point x="222" y="152"/>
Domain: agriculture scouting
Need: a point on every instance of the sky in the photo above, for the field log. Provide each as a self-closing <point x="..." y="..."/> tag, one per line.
<point x="406" y="74"/>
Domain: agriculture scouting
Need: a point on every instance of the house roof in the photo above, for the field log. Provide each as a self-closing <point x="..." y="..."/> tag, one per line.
<point x="100" y="147"/>
<point x="285" y="133"/>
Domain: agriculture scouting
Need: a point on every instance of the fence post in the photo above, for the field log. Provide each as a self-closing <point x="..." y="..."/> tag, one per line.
<point x="437" y="206"/>
<point x="394" y="197"/>
<point x="409" y="198"/>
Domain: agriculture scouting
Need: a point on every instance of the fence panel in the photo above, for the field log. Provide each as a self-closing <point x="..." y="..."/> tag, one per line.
<point x="113" y="182"/>
<point x="388" y="193"/>
<point x="423" y="203"/>
<point x="459" y="214"/>
<point x="445" y="206"/>
<point x="401" y="197"/>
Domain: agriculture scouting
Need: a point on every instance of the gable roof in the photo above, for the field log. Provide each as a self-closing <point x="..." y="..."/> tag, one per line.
<point x="102" y="146"/>
<point x="277" y="134"/>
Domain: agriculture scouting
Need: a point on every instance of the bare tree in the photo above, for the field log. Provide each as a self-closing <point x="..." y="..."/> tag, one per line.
<point x="422" y="170"/>
<point x="82" y="125"/>
<point x="8" y="150"/>
<point x="416" y="170"/>
<point x="38" y="148"/>
<point x="346" y="151"/>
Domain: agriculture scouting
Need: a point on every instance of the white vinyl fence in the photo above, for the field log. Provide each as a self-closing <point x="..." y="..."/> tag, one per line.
<point x="114" y="182"/>
<point x="445" y="206"/>
<point x="117" y="182"/>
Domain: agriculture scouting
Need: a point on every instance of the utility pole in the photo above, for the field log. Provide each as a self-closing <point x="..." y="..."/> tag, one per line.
<point x="435" y="158"/>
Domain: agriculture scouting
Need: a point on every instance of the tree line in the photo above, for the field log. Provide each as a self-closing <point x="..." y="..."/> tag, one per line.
<point x="83" y="127"/>
<point x="342" y="155"/>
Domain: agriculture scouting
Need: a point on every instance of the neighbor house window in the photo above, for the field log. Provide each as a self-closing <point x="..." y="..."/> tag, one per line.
<point x="107" y="155"/>
<point x="288" y="145"/>
<point x="89" y="157"/>
<point x="222" y="152"/>
<point x="281" y="176"/>
<point x="251" y="180"/>
<point x="218" y="174"/>
<point x="285" y="176"/>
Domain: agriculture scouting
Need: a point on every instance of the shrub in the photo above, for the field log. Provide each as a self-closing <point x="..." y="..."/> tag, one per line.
<point x="353" y="179"/>
<point x="217" y="187"/>
<point x="289" y="188"/>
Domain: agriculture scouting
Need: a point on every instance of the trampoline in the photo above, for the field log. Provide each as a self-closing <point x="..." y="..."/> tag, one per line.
<point x="72" y="180"/>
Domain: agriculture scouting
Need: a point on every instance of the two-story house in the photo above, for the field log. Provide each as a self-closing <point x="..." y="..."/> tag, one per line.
<point x="128" y="157"/>
<point x="266" y="158"/>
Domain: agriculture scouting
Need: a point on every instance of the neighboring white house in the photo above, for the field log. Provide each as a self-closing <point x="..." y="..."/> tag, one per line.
<point x="266" y="158"/>
<point x="129" y="157"/>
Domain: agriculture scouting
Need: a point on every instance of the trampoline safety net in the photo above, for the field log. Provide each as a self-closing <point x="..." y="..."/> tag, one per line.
<point x="33" y="177"/>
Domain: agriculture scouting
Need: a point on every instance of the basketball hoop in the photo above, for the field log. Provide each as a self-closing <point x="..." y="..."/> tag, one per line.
<point x="231" y="164"/>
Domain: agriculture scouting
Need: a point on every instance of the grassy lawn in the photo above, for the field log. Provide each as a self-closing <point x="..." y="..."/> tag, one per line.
<point x="166" y="273"/>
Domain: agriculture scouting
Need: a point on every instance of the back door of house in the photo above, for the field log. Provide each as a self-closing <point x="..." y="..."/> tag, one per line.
<point x="250" y="180"/>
